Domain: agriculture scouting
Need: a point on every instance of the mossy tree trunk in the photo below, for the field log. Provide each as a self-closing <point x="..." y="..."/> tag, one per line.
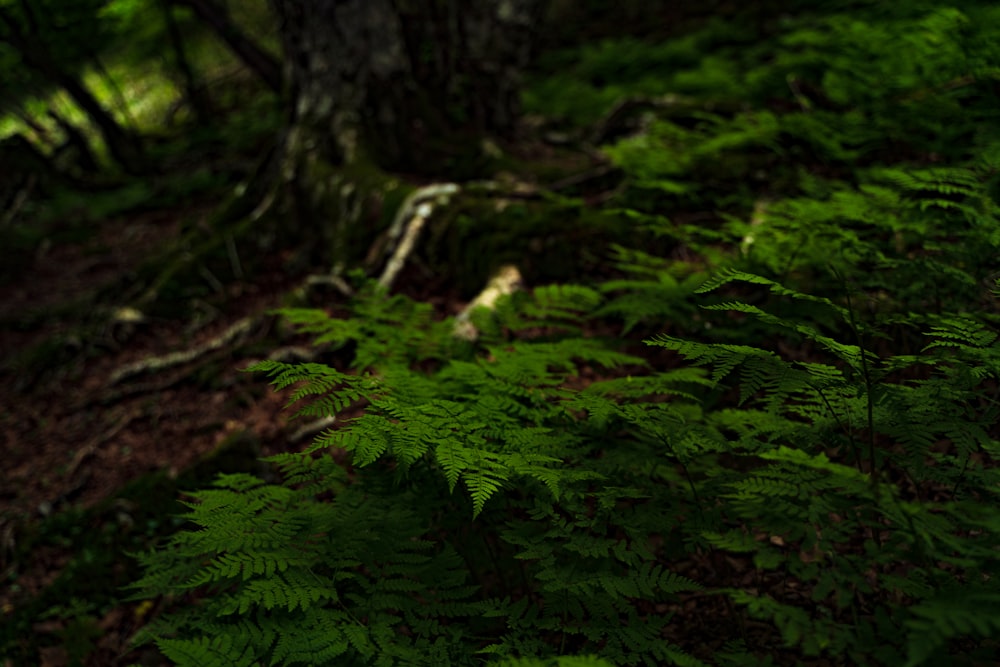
<point x="391" y="85"/>
<point x="380" y="95"/>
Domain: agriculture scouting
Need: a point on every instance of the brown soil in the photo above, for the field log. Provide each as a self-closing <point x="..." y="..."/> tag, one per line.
<point x="73" y="437"/>
<point x="74" y="434"/>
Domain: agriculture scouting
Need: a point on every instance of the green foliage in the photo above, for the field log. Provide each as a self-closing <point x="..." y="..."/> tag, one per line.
<point x="597" y="75"/>
<point x="807" y="441"/>
<point x="496" y="437"/>
<point x="581" y="501"/>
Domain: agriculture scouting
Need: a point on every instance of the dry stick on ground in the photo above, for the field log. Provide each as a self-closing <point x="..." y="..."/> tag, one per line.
<point x="506" y="280"/>
<point x="404" y="232"/>
<point x="311" y="429"/>
<point x="91" y="446"/>
<point x="234" y="333"/>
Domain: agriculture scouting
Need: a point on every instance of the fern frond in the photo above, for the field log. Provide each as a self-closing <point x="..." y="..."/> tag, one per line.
<point x="312" y="639"/>
<point x="726" y="276"/>
<point x="796" y="626"/>
<point x="956" y="613"/>
<point x="562" y="661"/>
<point x="963" y="333"/>
<point x="218" y="651"/>
<point x="289" y="589"/>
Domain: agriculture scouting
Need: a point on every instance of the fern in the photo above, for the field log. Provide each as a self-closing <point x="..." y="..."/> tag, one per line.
<point x="566" y="488"/>
<point x="210" y="652"/>
<point x="494" y="509"/>
<point x="808" y="440"/>
<point x="277" y="564"/>
<point x="955" y="613"/>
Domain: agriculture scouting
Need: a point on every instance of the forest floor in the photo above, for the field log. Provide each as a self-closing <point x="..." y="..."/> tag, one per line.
<point x="99" y="443"/>
<point x="99" y="446"/>
<point x="96" y="457"/>
<point x="75" y="436"/>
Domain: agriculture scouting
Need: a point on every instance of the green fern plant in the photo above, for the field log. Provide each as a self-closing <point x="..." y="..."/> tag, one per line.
<point x="491" y="512"/>
<point x="884" y="450"/>
<point x="448" y="542"/>
<point x="814" y="450"/>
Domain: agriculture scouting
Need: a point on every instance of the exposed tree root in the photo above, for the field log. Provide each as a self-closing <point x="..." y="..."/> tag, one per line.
<point x="229" y="337"/>
<point x="505" y="281"/>
<point x="395" y="248"/>
<point x="409" y="221"/>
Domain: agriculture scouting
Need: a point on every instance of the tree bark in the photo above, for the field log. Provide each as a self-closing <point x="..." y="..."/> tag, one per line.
<point x="394" y="80"/>
<point x="380" y="86"/>
<point x="373" y="88"/>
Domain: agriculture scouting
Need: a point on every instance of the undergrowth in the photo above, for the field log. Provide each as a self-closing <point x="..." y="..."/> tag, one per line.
<point x="797" y="467"/>
<point x="490" y="509"/>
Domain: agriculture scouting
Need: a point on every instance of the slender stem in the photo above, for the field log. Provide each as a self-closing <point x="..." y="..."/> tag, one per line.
<point x="687" y="475"/>
<point x="961" y="476"/>
<point x="870" y="404"/>
<point x="846" y="428"/>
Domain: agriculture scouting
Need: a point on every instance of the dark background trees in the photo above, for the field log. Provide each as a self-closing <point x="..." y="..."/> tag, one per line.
<point x="54" y="41"/>
<point x="415" y="88"/>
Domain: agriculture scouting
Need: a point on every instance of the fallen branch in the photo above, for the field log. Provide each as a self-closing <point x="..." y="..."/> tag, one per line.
<point x="617" y="121"/>
<point x="153" y="364"/>
<point x="506" y="280"/>
<point x="311" y="429"/>
<point x="91" y="446"/>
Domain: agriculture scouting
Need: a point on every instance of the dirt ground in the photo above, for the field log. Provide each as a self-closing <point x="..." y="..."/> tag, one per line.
<point x="77" y="428"/>
<point x="72" y="433"/>
<point x="83" y="416"/>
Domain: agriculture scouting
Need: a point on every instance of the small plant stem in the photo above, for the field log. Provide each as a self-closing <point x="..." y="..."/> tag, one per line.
<point x="846" y="428"/>
<point x="493" y="559"/>
<point x="869" y="401"/>
<point x="870" y="405"/>
<point x="961" y="476"/>
<point x="687" y="476"/>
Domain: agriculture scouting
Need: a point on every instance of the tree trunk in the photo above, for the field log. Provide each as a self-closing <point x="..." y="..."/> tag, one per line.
<point x="401" y="85"/>
<point x="215" y="16"/>
<point x="195" y="93"/>
<point x="374" y="89"/>
<point x="392" y="78"/>
<point x="122" y="145"/>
